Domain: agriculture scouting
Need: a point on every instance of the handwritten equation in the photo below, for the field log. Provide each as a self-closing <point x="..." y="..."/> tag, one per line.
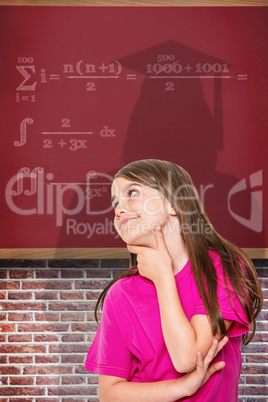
<point x="72" y="144"/>
<point x="165" y="67"/>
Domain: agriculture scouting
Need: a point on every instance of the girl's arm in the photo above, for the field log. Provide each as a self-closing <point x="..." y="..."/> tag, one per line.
<point x="183" y="338"/>
<point x="116" y="389"/>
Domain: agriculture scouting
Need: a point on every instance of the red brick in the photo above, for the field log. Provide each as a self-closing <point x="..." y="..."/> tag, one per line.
<point x="99" y="273"/>
<point x="22" y="391"/>
<point x="262" y="326"/>
<point x="50" y="400"/>
<point x="255" y="348"/>
<point x="2" y="338"/>
<point x="46" y="359"/>
<point x="91" y="316"/>
<point x="2" y="295"/>
<point x="260" y="337"/>
<point x="73" y="338"/>
<point x="7" y="327"/>
<point x="72" y="306"/>
<point x="43" y="327"/>
<point x="3" y="274"/>
<point x="254" y="370"/>
<point x="47" y="370"/>
<point x="22" y="400"/>
<point x="79" y="400"/>
<point x="94" y="284"/>
<point x="256" y="380"/>
<point x="21" y="380"/>
<point x="48" y="380"/>
<point x="72" y="273"/>
<point x="85" y="327"/>
<point x="263" y="315"/>
<point x="47" y="316"/>
<point x="9" y="285"/>
<point x="80" y="370"/>
<point x="123" y="264"/>
<point x="72" y="295"/>
<point x="20" y="338"/>
<point x="46" y="338"/>
<point x="6" y="370"/>
<point x="68" y="348"/>
<point x="20" y="274"/>
<point x="3" y="381"/>
<point x="92" y="379"/>
<point x="21" y="263"/>
<point x="87" y="390"/>
<point x="93" y="295"/>
<point x="22" y="306"/>
<point x="20" y="295"/>
<point x="3" y="359"/>
<point x="20" y="317"/>
<point x="20" y="359"/>
<point x="73" y="317"/>
<point x="3" y="316"/>
<point x="47" y="285"/>
<point x="260" y="390"/>
<point x="73" y="358"/>
<point x="74" y="380"/>
<point x="47" y="274"/>
<point x="22" y="349"/>
<point x="257" y="358"/>
<point x="90" y="337"/>
<point x="46" y="295"/>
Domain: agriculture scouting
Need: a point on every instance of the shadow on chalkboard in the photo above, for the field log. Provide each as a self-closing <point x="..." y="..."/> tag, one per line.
<point x="178" y="117"/>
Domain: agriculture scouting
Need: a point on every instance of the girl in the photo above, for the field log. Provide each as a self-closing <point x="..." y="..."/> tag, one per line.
<point x="186" y="286"/>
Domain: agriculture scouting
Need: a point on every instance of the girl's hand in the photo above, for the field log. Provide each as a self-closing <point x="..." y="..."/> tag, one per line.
<point x="153" y="264"/>
<point x="194" y="380"/>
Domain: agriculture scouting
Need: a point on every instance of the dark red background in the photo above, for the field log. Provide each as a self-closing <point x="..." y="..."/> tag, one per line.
<point x="217" y="148"/>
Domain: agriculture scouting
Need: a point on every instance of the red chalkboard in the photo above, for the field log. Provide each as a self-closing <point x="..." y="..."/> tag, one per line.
<point x="85" y="90"/>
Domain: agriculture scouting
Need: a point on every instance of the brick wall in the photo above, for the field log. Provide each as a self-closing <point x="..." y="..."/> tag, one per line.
<point x="47" y="325"/>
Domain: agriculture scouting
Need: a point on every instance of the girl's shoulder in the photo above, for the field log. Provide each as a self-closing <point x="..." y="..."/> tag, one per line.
<point x="123" y="286"/>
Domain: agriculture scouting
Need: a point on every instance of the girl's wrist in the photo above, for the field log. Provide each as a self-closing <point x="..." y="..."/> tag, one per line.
<point x="165" y="280"/>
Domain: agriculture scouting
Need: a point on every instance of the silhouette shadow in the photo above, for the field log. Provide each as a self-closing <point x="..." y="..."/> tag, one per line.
<point x="173" y="120"/>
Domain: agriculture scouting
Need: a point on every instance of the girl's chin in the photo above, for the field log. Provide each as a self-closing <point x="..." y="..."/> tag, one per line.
<point x="142" y="241"/>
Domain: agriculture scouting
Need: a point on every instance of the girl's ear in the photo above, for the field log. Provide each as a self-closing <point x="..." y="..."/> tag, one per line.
<point x="171" y="210"/>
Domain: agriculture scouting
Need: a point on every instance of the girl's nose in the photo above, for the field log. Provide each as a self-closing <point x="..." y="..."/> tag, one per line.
<point x="119" y="209"/>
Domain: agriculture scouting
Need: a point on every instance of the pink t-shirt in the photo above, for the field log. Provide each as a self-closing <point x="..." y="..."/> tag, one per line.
<point x="130" y="344"/>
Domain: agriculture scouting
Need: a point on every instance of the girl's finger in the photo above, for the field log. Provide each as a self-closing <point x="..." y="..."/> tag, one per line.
<point x="213" y="350"/>
<point x="215" y="367"/>
<point x="221" y="344"/>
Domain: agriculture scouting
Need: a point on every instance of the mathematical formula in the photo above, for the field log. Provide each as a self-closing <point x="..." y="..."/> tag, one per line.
<point x="166" y="67"/>
<point x="73" y="144"/>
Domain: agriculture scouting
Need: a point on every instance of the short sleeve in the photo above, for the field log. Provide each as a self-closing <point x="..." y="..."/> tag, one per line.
<point x="231" y="308"/>
<point x="108" y="354"/>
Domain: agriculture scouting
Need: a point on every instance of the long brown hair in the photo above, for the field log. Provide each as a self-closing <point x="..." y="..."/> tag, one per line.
<point x="177" y="186"/>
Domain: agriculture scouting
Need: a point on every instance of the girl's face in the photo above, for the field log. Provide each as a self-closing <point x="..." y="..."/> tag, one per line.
<point x="138" y="209"/>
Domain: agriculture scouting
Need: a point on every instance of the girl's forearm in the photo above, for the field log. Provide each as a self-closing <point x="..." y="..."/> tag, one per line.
<point x="179" y="334"/>
<point x="116" y="389"/>
<point x="161" y="391"/>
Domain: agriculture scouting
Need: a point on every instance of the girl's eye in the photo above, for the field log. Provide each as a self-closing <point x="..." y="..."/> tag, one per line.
<point x="132" y="192"/>
<point x="115" y="205"/>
